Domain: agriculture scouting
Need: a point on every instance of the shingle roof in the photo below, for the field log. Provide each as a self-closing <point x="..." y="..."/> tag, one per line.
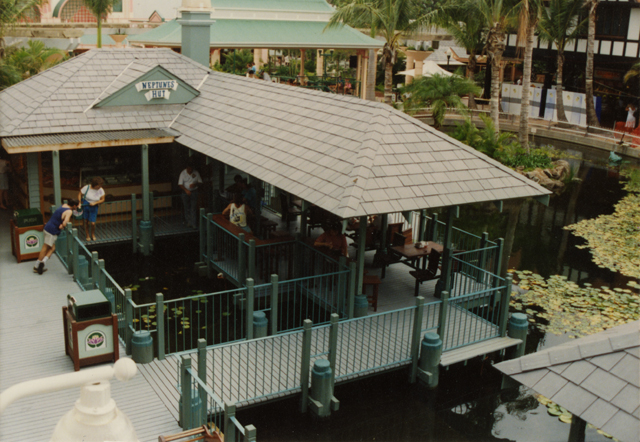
<point x="349" y="156"/>
<point x="596" y="378"/>
<point x="59" y="99"/>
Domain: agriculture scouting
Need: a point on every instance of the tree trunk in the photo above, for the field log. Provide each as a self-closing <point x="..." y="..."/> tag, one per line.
<point x="471" y="70"/>
<point x="559" y="95"/>
<point x="514" y="208"/>
<point x="592" y="118"/>
<point x="523" y="134"/>
<point x="99" y="31"/>
<point x="387" y="82"/>
<point x="495" y="89"/>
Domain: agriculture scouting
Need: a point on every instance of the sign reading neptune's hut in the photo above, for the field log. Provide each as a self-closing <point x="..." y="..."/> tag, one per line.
<point x="157" y="89"/>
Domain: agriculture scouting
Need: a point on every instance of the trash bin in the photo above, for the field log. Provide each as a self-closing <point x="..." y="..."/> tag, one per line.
<point x="142" y="347"/>
<point x="26" y="234"/>
<point x="90" y="329"/>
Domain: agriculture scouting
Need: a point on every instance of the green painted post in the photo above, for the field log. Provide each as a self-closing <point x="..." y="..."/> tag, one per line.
<point x="498" y="263"/>
<point x="209" y="244"/>
<point x="151" y="221"/>
<point x="298" y="258"/>
<point x="249" y="307"/>
<point x="57" y="185"/>
<point x="304" y="365"/>
<point x="384" y="226"/>
<point x="333" y="348"/>
<point x="195" y="37"/>
<point x="242" y="259"/>
<point x="446" y="256"/>
<point x="303" y="218"/>
<point x="442" y="318"/>
<point x="577" y="430"/>
<point x="134" y="222"/>
<point x="482" y="259"/>
<point x="251" y="261"/>
<point x="74" y="248"/>
<point x="102" y="279"/>
<point x="415" y="337"/>
<point x="434" y="228"/>
<point x="160" y="325"/>
<point x="69" y="260"/>
<point x="504" y="305"/>
<point x="203" y="235"/>
<point x="430" y="356"/>
<point x="145" y="182"/>
<point x="128" y="320"/>
<point x="95" y="276"/>
<point x="250" y="433"/>
<point x="202" y="374"/>
<point x="341" y="289"/>
<point x="362" y="239"/>
<point x="274" y="304"/>
<point x="229" y="426"/>
<point x="422" y="226"/>
<point x="185" y="396"/>
<point x="518" y="327"/>
<point x="352" y="289"/>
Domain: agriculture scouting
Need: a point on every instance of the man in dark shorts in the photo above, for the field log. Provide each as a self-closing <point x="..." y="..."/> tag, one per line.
<point x="59" y="219"/>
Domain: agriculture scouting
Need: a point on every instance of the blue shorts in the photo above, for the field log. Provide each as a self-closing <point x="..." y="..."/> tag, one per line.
<point x="90" y="213"/>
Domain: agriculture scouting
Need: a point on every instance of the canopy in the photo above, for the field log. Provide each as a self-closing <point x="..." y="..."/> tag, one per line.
<point x="429" y="68"/>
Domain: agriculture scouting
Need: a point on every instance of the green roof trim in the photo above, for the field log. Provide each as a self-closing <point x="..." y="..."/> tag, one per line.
<point x="158" y="86"/>
<point x="231" y="33"/>
<point x="56" y="10"/>
<point x="275" y="5"/>
<point x="92" y="39"/>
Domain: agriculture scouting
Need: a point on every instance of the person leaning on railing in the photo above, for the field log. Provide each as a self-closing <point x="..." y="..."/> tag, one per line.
<point x="59" y="219"/>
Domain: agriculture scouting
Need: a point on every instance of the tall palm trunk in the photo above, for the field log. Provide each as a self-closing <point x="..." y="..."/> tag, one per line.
<point x="471" y="70"/>
<point x="495" y="47"/>
<point x="99" y="31"/>
<point x="523" y="134"/>
<point x="559" y="95"/>
<point x="592" y="118"/>
<point x="388" y="66"/>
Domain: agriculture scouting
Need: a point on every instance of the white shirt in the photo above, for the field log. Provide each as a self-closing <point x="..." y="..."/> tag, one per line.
<point x="189" y="181"/>
<point x="93" y="195"/>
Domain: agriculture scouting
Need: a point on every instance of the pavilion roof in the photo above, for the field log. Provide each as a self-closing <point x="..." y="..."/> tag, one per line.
<point x="596" y="378"/>
<point x="274" y="5"/>
<point x="245" y="33"/>
<point x="350" y="156"/>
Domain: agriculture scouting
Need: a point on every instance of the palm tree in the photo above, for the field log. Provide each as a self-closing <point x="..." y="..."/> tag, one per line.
<point x="388" y="18"/>
<point x="11" y="12"/>
<point x="440" y="92"/>
<point x="100" y="9"/>
<point x="22" y="63"/>
<point x="592" y="118"/>
<point x="560" y="24"/>
<point x="634" y="72"/>
<point x="496" y="16"/>
<point x="529" y="17"/>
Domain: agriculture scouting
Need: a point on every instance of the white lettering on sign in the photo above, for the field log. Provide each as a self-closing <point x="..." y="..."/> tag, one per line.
<point x="163" y="84"/>
<point x="151" y="95"/>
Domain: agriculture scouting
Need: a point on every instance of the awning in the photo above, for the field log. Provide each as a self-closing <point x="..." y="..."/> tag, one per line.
<point x="429" y="68"/>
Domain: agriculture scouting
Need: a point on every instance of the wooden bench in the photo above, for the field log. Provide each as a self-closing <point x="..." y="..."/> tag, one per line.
<point x="201" y="433"/>
<point x="374" y="281"/>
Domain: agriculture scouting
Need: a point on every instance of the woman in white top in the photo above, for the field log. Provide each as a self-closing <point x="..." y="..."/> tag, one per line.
<point x="90" y="197"/>
<point x="631" y="118"/>
<point x="237" y="212"/>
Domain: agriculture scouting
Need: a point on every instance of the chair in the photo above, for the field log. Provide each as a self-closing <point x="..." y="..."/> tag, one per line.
<point x="374" y="281"/>
<point x="391" y="229"/>
<point x="428" y="274"/>
<point x="289" y="211"/>
<point x="316" y="217"/>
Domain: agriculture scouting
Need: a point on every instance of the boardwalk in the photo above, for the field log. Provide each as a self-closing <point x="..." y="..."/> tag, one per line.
<point x="32" y="347"/>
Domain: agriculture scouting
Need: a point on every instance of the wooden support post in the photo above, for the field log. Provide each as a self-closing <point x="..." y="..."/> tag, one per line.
<point x="352" y="289"/>
<point x="304" y="364"/>
<point x="134" y="222"/>
<point x="384" y="225"/>
<point x="446" y="255"/>
<point x="251" y="261"/>
<point x="202" y="235"/>
<point x="229" y="427"/>
<point x="504" y="305"/>
<point x="274" y="304"/>
<point x="209" y="244"/>
<point x="333" y="348"/>
<point x="160" y="325"/>
<point x="57" y="184"/>
<point x="442" y="322"/>
<point x="128" y="320"/>
<point x="433" y="234"/>
<point x="422" y="225"/>
<point x="145" y="182"/>
<point x="242" y="259"/>
<point x="95" y="271"/>
<point x="303" y="218"/>
<point x="185" y="396"/>
<point x="249" y="308"/>
<point x="362" y="239"/>
<point x="151" y="220"/>
<point x="202" y="374"/>
<point x="415" y="337"/>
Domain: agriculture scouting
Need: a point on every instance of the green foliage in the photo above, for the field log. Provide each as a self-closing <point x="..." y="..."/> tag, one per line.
<point x="236" y="62"/>
<point x="560" y="22"/>
<point x="22" y="63"/>
<point x="438" y="92"/>
<point x="100" y="8"/>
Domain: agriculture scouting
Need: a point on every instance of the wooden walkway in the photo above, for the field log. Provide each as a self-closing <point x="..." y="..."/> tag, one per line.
<point x="32" y="347"/>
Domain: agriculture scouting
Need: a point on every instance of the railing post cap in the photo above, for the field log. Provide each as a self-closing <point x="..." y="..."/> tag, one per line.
<point x="518" y="320"/>
<point x="432" y="339"/>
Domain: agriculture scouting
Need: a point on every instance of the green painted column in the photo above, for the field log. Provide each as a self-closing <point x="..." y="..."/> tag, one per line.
<point x="196" y="29"/>
<point x="362" y="238"/>
<point x="57" y="189"/>
<point x="146" y="229"/>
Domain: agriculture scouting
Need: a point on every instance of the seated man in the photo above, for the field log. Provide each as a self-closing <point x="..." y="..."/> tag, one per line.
<point x="333" y="240"/>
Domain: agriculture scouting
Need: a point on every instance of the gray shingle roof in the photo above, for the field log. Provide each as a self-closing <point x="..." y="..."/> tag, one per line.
<point x="59" y="99"/>
<point x="596" y="378"/>
<point x="349" y="156"/>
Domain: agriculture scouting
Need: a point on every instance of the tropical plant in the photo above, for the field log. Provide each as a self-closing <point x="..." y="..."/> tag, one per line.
<point x="634" y="72"/>
<point x="388" y="18"/>
<point x="560" y="24"/>
<point x="100" y="8"/>
<point x="22" y="63"/>
<point x="236" y="62"/>
<point x="439" y="92"/>
<point x="592" y="118"/>
<point x="11" y="12"/>
<point x="467" y="132"/>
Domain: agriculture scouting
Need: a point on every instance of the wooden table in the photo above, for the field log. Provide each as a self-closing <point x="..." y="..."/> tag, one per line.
<point x="412" y="256"/>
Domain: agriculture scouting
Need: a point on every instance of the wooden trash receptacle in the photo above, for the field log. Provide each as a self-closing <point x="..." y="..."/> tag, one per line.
<point x="26" y="242"/>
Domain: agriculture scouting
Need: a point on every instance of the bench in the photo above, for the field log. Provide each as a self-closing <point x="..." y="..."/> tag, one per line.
<point x="201" y="433"/>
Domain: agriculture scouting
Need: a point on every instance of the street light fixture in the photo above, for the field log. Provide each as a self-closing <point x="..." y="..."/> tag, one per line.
<point x="447" y="52"/>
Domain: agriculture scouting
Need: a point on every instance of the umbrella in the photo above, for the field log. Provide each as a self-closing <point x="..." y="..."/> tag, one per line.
<point x="428" y="69"/>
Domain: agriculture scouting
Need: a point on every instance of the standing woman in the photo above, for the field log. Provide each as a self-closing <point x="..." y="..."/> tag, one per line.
<point x="91" y="196"/>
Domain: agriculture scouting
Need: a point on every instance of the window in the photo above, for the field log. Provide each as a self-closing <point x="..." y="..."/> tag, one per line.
<point x="612" y="21"/>
<point x="117" y="6"/>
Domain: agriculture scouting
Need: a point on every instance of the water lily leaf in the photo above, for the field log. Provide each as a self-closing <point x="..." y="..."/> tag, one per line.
<point x="226" y="314"/>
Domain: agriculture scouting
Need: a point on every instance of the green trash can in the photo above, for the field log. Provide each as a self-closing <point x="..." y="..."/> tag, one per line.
<point x="142" y="347"/>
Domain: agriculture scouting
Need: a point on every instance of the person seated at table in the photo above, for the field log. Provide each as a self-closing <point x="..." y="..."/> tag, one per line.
<point x="334" y="240"/>
<point x="237" y="212"/>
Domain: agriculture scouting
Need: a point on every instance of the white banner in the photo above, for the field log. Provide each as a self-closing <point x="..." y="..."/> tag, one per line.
<point x="152" y="95"/>
<point x="161" y="84"/>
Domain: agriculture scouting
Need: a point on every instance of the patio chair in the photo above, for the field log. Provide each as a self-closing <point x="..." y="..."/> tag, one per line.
<point x="428" y="274"/>
<point x="289" y="211"/>
<point x="201" y="433"/>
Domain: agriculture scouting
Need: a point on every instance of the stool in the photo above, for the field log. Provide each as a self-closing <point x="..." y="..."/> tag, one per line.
<point x="374" y="281"/>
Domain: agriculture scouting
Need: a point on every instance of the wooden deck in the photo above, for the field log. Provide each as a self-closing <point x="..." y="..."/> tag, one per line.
<point x="32" y="347"/>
